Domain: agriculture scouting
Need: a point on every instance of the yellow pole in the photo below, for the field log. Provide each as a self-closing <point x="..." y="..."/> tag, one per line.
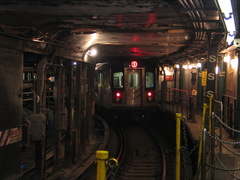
<point x="210" y="115"/>
<point x="101" y="157"/>
<point x="178" y="144"/>
<point x="200" y="138"/>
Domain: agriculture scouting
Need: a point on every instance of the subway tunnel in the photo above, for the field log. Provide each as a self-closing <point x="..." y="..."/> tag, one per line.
<point x="51" y="49"/>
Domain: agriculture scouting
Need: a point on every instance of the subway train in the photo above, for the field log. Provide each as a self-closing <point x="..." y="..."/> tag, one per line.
<point x="126" y="89"/>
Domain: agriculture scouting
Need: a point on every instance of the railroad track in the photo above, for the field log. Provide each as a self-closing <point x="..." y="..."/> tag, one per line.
<point x="138" y="151"/>
<point x="142" y="157"/>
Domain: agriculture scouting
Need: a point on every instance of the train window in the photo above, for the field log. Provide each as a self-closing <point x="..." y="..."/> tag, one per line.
<point x="133" y="80"/>
<point x="149" y="79"/>
<point x="118" y="80"/>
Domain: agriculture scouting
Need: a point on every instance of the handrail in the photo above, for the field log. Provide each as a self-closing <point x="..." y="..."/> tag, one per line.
<point x="229" y="111"/>
<point x="179" y="90"/>
<point x="229" y="96"/>
<point x="177" y="99"/>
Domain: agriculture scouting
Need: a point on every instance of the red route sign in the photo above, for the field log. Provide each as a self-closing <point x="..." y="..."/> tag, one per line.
<point x="134" y="64"/>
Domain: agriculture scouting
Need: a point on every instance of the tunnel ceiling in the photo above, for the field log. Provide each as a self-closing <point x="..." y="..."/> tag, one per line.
<point x="163" y="30"/>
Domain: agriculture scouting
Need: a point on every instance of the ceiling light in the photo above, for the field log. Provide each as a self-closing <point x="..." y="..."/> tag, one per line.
<point x="225" y="7"/>
<point x="216" y="69"/>
<point x="177" y="66"/>
<point x="91" y="52"/>
<point x="199" y="65"/>
<point x="226" y="58"/>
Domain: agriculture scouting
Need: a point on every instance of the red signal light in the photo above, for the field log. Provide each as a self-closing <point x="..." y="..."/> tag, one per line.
<point x="118" y="94"/>
<point x="150" y="96"/>
<point x="117" y="97"/>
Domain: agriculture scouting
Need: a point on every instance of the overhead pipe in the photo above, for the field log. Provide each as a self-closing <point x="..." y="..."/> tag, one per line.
<point x="199" y="36"/>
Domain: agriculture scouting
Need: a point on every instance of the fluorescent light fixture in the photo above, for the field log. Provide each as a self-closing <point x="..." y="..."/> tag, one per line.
<point x="228" y="17"/>
<point x="230" y="38"/>
<point x="230" y="24"/>
<point x="226" y="8"/>
<point x="216" y="69"/>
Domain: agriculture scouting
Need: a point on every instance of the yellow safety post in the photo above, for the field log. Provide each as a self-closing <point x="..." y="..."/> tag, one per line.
<point x="178" y="144"/>
<point x="101" y="157"/>
<point x="210" y="114"/>
<point x="200" y="138"/>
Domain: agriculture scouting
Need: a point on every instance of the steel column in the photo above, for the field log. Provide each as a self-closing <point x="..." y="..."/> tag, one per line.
<point x="78" y="109"/>
<point x="58" y="102"/>
<point x="90" y="94"/>
<point x="40" y="152"/>
<point x="211" y="65"/>
<point x="70" y="108"/>
<point x="84" y="81"/>
<point x="11" y="71"/>
<point x="238" y="98"/>
<point x="221" y="79"/>
<point x="200" y="91"/>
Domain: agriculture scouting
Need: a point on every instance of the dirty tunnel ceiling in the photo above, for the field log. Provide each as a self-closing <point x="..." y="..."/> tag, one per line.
<point x="165" y="30"/>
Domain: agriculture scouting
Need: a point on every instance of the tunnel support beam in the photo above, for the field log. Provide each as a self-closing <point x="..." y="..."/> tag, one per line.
<point x="211" y="65"/>
<point x="238" y="97"/>
<point x="221" y="79"/>
<point x="59" y="114"/>
<point x="11" y="71"/>
<point x="70" y="108"/>
<point x="40" y="147"/>
<point x="90" y="98"/>
<point x="200" y="91"/>
<point x="78" y="111"/>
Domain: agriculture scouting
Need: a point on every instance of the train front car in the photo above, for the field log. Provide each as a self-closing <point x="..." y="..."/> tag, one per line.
<point x="127" y="89"/>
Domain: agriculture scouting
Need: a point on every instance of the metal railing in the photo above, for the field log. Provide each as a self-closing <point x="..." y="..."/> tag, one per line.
<point x="177" y="100"/>
<point x="211" y="156"/>
<point x="229" y="113"/>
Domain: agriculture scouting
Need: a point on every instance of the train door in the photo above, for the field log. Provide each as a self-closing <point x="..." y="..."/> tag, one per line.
<point x="133" y="85"/>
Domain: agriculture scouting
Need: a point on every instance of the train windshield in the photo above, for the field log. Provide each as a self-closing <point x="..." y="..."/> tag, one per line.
<point x="149" y="80"/>
<point x="118" y="80"/>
